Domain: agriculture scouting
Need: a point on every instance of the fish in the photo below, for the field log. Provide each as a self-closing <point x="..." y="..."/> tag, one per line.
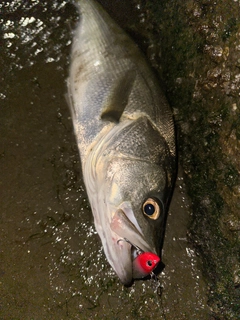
<point x="125" y="134"/>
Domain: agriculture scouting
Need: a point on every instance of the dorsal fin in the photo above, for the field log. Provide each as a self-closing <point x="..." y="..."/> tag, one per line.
<point x="117" y="99"/>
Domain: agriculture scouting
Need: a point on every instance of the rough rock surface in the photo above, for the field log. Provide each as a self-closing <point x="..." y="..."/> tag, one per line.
<point x="196" y="50"/>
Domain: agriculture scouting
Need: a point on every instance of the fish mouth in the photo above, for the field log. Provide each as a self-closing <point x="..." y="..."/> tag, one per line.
<point x="135" y="258"/>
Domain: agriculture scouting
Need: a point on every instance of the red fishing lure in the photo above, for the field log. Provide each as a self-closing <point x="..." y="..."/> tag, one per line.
<point x="145" y="262"/>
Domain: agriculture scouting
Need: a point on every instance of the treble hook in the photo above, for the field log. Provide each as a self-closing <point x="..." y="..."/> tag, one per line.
<point x="139" y="250"/>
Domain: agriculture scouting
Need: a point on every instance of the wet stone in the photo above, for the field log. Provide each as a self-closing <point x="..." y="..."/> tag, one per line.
<point x="52" y="262"/>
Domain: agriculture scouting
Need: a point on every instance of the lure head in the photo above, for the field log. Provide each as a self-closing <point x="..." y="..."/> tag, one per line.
<point x="144" y="264"/>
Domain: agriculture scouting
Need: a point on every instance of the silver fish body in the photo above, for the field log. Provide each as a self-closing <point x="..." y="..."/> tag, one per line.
<point x="125" y="135"/>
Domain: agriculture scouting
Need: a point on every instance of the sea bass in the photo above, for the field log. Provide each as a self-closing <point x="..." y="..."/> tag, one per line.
<point x="125" y="135"/>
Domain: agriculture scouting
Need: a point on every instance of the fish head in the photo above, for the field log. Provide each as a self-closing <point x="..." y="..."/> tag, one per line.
<point x="128" y="176"/>
<point x="135" y="213"/>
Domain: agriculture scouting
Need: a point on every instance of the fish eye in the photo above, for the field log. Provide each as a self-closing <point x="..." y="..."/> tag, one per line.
<point x="151" y="209"/>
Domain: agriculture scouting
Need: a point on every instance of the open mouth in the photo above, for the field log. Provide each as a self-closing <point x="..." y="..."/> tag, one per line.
<point x="143" y="263"/>
<point x="143" y="258"/>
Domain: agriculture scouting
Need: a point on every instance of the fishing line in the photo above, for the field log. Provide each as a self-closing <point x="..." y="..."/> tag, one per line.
<point x="158" y="288"/>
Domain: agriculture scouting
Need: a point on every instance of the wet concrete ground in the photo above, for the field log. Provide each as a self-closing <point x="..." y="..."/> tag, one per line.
<point x="52" y="265"/>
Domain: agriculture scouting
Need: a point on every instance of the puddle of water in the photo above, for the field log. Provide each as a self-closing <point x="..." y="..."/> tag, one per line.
<point x="52" y="263"/>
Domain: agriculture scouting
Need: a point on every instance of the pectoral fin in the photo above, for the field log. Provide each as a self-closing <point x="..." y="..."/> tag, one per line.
<point x="118" y="97"/>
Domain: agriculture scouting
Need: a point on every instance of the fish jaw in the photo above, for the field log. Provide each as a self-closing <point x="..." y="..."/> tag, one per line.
<point x="118" y="254"/>
<point x="124" y="246"/>
<point x="134" y="257"/>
